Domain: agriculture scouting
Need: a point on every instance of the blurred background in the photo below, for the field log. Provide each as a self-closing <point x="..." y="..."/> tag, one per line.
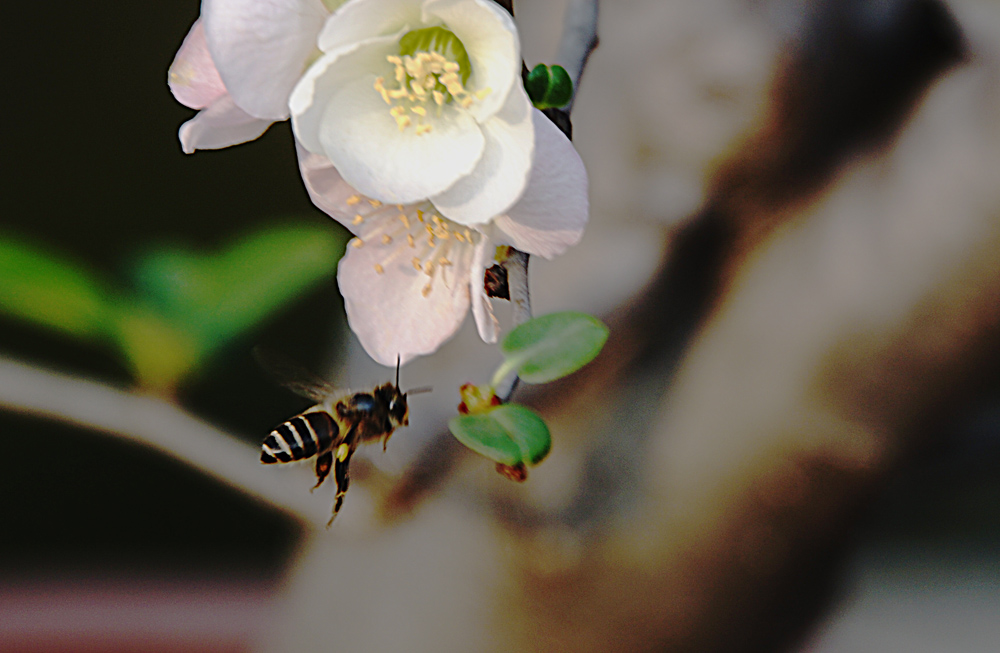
<point x="153" y="274"/>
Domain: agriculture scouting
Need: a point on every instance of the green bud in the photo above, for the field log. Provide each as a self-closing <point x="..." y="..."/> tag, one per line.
<point x="549" y="88"/>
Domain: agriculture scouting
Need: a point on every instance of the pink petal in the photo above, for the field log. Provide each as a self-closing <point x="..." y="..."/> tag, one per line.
<point x="261" y="47"/>
<point x="388" y="311"/>
<point x="193" y="79"/>
<point x="327" y="189"/>
<point x="551" y="215"/>
<point x="220" y="125"/>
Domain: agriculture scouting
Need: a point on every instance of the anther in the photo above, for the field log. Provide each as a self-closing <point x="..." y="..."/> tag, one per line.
<point x="357" y="243"/>
<point x="352" y="200"/>
<point x="379" y="269"/>
<point x="426" y="290"/>
<point x="358" y="219"/>
<point x="409" y="240"/>
<point x="386" y="239"/>
<point x="416" y="264"/>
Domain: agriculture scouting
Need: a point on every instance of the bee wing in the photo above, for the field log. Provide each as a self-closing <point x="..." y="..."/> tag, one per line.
<point x="293" y="376"/>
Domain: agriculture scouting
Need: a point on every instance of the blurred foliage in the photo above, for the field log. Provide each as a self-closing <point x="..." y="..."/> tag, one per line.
<point x="182" y="305"/>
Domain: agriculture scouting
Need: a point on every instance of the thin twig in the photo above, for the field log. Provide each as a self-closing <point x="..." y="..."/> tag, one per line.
<point x="158" y="424"/>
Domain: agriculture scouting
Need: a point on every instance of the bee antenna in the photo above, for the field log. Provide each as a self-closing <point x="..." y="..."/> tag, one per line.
<point x="397" y="370"/>
<point x="420" y="390"/>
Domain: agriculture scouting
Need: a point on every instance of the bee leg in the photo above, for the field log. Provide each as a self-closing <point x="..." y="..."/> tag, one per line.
<point x="323" y="466"/>
<point x="341" y="473"/>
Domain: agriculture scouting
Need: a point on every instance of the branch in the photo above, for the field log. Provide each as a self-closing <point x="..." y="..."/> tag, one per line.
<point x="579" y="39"/>
<point x="158" y="424"/>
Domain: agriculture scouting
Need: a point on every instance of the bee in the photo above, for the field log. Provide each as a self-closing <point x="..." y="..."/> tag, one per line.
<point x="331" y="430"/>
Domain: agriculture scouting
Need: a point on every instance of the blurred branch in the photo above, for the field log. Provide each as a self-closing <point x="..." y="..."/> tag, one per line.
<point x="578" y="40"/>
<point x="159" y="424"/>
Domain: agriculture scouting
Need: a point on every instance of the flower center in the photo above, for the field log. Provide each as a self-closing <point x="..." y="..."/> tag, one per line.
<point x="415" y="236"/>
<point x="430" y="72"/>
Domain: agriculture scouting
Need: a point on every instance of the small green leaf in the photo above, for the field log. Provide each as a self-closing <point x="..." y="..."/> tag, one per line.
<point x="509" y="434"/>
<point x="550" y="347"/>
<point x="42" y="287"/>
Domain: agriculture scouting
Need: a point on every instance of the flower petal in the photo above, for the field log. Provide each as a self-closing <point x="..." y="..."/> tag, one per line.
<point x="363" y="19"/>
<point x="220" y="125"/>
<point x="482" y="309"/>
<point x="490" y="37"/>
<point x="326" y="76"/>
<point x="261" y="47"/>
<point x="501" y="175"/>
<point x="550" y="216"/>
<point x="339" y="200"/>
<point x="388" y="311"/>
<point x="326" y="187"/>
<point x="362" y="139"/>
<point x="193" y="79"/>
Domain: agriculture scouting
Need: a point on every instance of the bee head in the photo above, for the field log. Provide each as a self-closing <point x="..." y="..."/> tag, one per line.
<point x="395" y="403"/>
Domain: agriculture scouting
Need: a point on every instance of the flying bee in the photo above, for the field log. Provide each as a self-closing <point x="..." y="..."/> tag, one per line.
<point x="333" y="428"/>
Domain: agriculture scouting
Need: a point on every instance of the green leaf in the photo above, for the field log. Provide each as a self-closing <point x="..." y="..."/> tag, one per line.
<point x="217" y="297"/>
<point x="509" y="434"/>
<point x="42" y="287"/>
<point x="550" y="347"/>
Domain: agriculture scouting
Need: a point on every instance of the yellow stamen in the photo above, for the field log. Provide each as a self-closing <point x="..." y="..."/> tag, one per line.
<point x="358" y="219"/>
<point x="352" y="200"/>
<point x="416" y="264"/>
<point x="386" y="239"/>
<point x="379" y="269"/>
<point x="426" y="290"/>
<point x="409" y="240"/>
<point x="357" y="243"/>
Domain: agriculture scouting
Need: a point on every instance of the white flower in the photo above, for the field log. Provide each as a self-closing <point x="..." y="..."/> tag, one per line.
<point x="421" y="99"/>
<point x="239" y="63"/>
<point x="409" y="277"/>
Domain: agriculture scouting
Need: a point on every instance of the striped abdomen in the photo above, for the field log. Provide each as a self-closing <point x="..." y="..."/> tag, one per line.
<point x="300" y="437"/>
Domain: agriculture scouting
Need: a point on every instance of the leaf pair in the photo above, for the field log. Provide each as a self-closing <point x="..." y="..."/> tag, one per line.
<point x="539" y="351"/>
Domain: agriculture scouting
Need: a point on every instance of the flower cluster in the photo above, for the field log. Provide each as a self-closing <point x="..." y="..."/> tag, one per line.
<point x="413" y="130"/>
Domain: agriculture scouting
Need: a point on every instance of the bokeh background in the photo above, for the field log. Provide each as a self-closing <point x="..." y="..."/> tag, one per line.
<point x="111" y="545"/>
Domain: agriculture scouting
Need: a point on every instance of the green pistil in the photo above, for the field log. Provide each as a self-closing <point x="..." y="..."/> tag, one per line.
<point x="440" y="40"/>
